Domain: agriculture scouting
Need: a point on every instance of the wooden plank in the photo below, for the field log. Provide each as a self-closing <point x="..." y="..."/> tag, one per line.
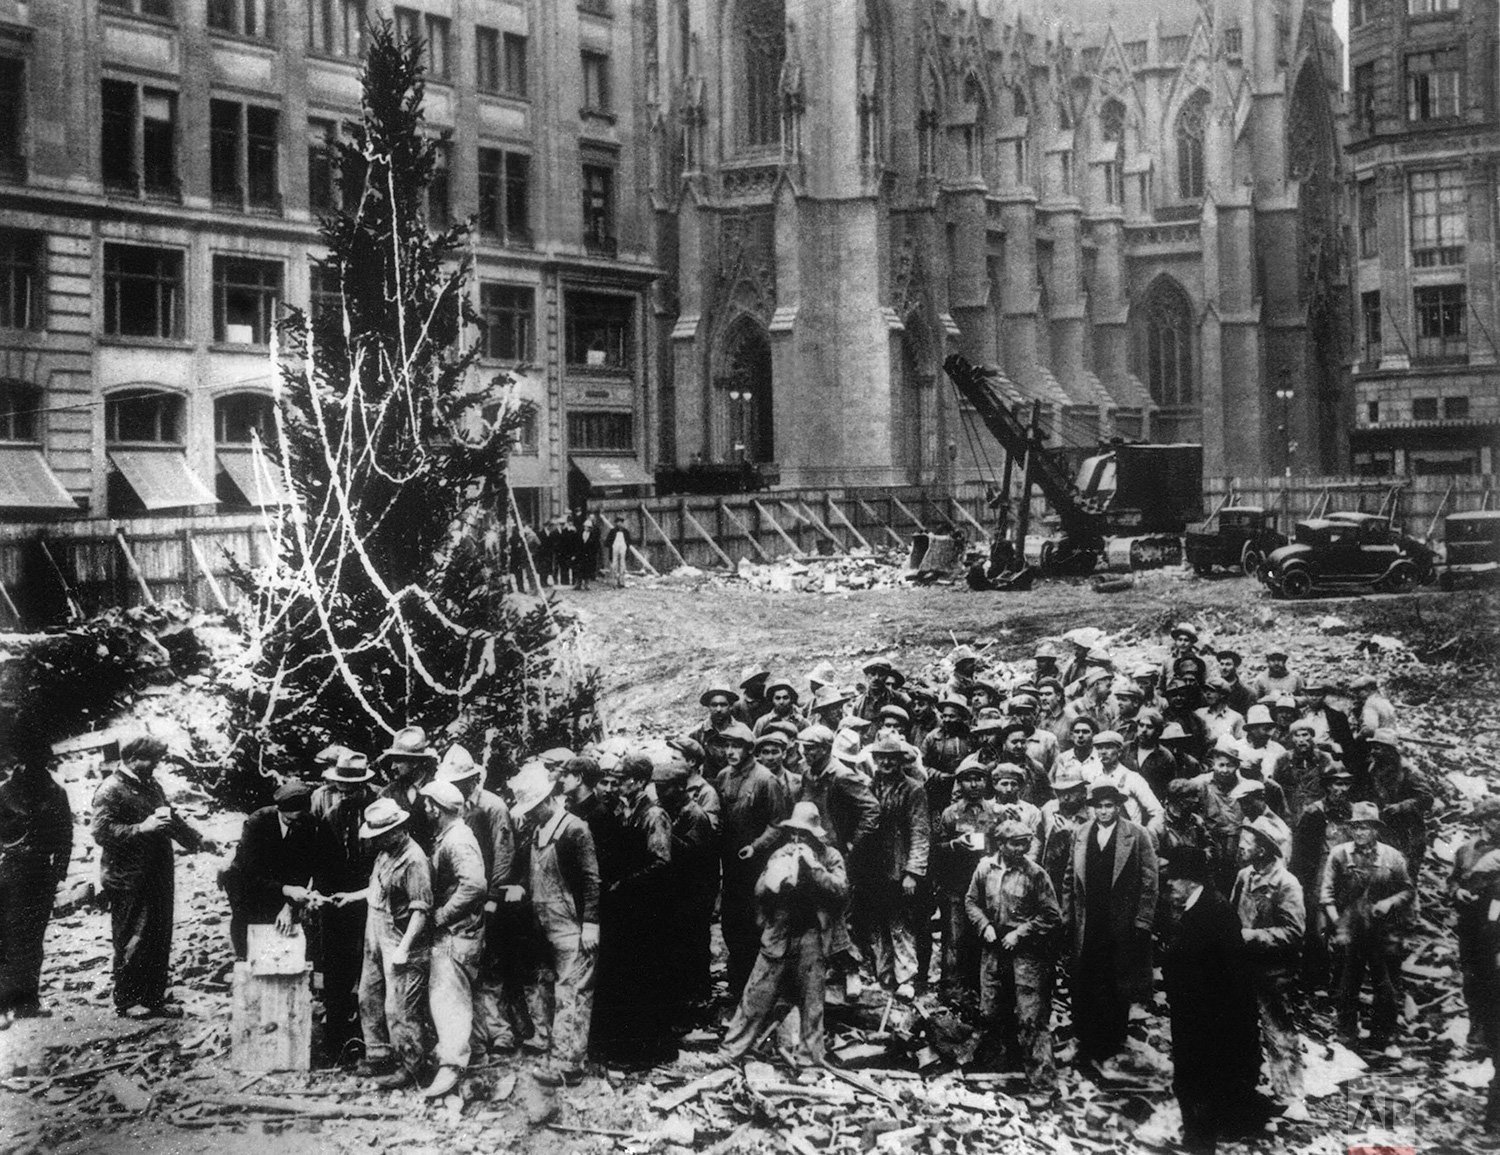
<point x="967" y="516"/>
<point x="208" y="574"/>
<point x="835" y="511"/>
<point x="135" y="568"/>
<point x="75" y="611"/>
<point x="874" y="516"/>
<point x="725" y="511"/>
<point x="817" y="524"/>
<point x="766" y="513"/>
<point x="913" y="518"/>
<point x="10" y="607"/>
<point x="697" y="527"/>
<point x="271" y="1020"/>
<point x="641" y="561"/>
<point x="656" y="525"/>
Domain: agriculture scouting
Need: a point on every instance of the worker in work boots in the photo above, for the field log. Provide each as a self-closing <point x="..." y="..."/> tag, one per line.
<point x="458" y="897"/>
<point x="803" y="886"/>
<point x="1013" y="910"/>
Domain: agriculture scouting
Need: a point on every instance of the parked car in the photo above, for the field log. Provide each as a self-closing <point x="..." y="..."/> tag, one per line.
<point x="1471" y="551"/>
<point x="1377" y="530"/>
<point x="1241" y="535"/>
<point x="1333" y="553"/>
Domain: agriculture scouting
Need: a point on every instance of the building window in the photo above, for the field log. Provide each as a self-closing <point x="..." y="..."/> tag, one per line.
<point x="927" y="143"/>
<point x="439" y="190"/>
<point x="1439" y="212"/>
<point x="142" y="291"/>
<point x="1192" y="125"/>
<point x="250" y="18"/>
<point x="761" y="33"/>
<point x="246" y="297"/>
<point x="21" y="281"/>
<point x="1362" y="12"/>
<point x="1424" y="408"/>
<point x="1434" y="84"/>
<point x="161" y="9"/>
<point x="1455" y="408"/>
<point x="505" y="196"/>
<point x="241" y="418"/>
<point x="1065" y="174"/>
<point x="20" y="405"/>
<point x="599" y="209"/>
<point x="599" y="331"/>
<point x="325" y="299"/>
<point x="594" y="7"/>
<point x="12" y="119"/>
<point x="595" y="81"/>
<point x="138" y="139"/>
<point x="322" y="169"/>
<point x="601" y="432"/>
<point x="243" y="151"/>
<point x="1164" y="343"/>
<point x="507" y="322"/>
<point x="1021" y="154"/>
<point x="1372" y="412"/>
<point x="1442" y="323"/>
<point x="336" y="27"/>
<point x="487" y="59"/>
<point x="411" y="25"/>
<point x="514" y="60"/>
<point x="1369" y="220"/>
<point x="1369" y="311"/>
<point x="1364" y="98"/>
<point x="143" y="415"/>
<point x="408" y="22"/>
<point x="1430" y="7"/>
<point x="1234" y="42"/>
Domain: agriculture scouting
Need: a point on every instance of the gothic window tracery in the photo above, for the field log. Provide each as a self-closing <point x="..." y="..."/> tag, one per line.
<point x="1165" y="344"/>
<point x="761" y="34"/>
<point x="1192" y="128"/>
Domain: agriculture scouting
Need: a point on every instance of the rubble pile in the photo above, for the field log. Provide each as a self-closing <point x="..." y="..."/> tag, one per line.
<point x="825" y="575"/>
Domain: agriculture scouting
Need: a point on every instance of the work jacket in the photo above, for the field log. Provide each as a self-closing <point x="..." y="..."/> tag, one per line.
<point x="902" y="835"/>
<point x="1274" y="917"/>
<point x="1014" y="898"/>
<point x="820" y="891"/>
<point x="1356" y="878"/>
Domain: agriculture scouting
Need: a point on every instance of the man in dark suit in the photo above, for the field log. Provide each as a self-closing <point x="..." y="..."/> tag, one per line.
<point x="281" y="851"/>
<point x="1215" y="1023"/>
<point x="1109" y="901"/>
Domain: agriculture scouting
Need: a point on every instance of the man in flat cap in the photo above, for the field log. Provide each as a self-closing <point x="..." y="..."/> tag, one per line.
<point x="273" y="877"/>
<point x="884" y="689"/>
<point x="1273" y="915"/>
<point x="1014" y="912"/>
<point x="1474" y="885"/>
<point x="963" y="835"/>
<point x="700" y="789"/>
<point x="1141" y="804"/>
<point x="1219" y="721"/>
<point x="1323" y="825"/>
<point x="895" y="869"/>
<point x="1404" y="798"/>
<point x="770" y="752"/>
<point x="1109" y="902"/>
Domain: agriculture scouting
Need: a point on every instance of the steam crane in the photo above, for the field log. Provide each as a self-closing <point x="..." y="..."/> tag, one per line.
<point x="1129" y="504"/>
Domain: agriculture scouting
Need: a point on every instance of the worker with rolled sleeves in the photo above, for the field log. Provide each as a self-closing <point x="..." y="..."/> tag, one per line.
<point x="1013" y="909"/>
<point x="964" y="836"/>
<point x="458" y="895"/>
<point x="799" y="893"/>
<point x="563" y="885"/>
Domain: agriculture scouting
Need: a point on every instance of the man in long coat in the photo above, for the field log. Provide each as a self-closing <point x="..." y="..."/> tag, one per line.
<point x="135" y="830"/>
<point x="36" y="844"/>
<point x="1109" y="900"/>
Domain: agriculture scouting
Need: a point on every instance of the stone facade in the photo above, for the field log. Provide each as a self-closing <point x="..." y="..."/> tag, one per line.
<point x="1424" y="146"/>
<point x="160" y="179"/>
<point x="1132" y="209"/>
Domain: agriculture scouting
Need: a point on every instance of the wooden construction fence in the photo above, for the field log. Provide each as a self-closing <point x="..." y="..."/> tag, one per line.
<point x="98" y="563"/>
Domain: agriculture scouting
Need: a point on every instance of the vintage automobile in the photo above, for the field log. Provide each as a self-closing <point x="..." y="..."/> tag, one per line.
<point x="1471" y="551"/>
<point x="1340" y="553"/>
<point x="1238" y="536"/>
<point x="1375" y="529"/>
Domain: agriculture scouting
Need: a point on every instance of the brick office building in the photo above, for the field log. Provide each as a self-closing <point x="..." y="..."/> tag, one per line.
<point x="1133" y="208"/>
<point x="1424" y="143"/>
<point x="162" y="164"/>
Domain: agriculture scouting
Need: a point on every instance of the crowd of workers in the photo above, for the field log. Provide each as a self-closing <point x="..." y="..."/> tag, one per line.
<point x="1070" y="821"/>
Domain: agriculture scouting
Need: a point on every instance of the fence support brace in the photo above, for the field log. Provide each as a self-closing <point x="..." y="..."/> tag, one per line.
<point x="745" y="531"/>
<point x="776" y="525"/>
<point x="835" y="511"/>
<point x="874" y="515"/>
<point x="208" y="574"/>
<point x="697" y="527"/>
<point x="654" y="524"/>
<point x="135" y="568"/>
<point x="816" y="522"/>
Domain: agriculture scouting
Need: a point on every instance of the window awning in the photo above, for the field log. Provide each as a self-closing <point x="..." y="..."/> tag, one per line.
<point x="261" y="484"/>
<point x="161" y="478"/>
<point x="612" y="472"/>
<point x="27" y="482"/>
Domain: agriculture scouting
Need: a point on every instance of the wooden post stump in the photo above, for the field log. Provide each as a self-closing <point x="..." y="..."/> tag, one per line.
<point x="271" y="1024"/>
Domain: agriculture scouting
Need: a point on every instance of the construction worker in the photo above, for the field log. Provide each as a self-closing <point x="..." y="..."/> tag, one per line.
<point x="895" y="869"/>
<point x="965" y="834"/>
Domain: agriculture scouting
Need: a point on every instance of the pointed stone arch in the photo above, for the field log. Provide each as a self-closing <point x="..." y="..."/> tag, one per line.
<point x="1190" y="127"/>
<point x="741" y="407"/>
<point x="1164" y="340"/>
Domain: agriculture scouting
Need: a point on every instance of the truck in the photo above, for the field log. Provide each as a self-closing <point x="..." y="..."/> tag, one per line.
<point x="1127" y="505"/>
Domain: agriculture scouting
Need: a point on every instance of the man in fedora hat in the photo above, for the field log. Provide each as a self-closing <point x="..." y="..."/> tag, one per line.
<point x="754" y="701"/>
<point x="273" y="877"/>
<point x="1063" y="816"/>
<point x="828" y="706"/>
<point x="1177" y="743"/>
<point x="1474" y="885"/>
<point x="1404" y="798"/>
<point x="692" y="888"/>
<point x="783" y="699"/>
<point x="1324" y="824"/>
<point x="563" y="885"/>
<point x="895" y="871"/>
<point x="409" y="764"/>
<point x="964" y="834"/>
<point x="393" y="983"/>
<point x="1014" y="912"/>
<point x="1250" y="795"/>
<point x="498" y="998"/>
<point x="1273" y="915"/>
<point x="1263" y="752"/>
<point x="753" y="801"/>
<point x="1109" y="902"/>
<point x="800" y="891"/>
<point x="1302" y="773"/>
<point x="950" y="743"/>
<point x="458" y="899"/>
<point x="1366" y="896"/>
<point x="884" y="689"/>
<point x="338" y="807"/>
<point x="719" y="701"/>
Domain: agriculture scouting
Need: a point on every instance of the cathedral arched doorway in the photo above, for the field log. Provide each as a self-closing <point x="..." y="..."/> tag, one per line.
<point x="744" y="427"/>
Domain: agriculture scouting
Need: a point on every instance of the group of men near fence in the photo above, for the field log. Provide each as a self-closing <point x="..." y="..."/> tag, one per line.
<point x="1075" y="818"/>
<point x="566" y="551"/>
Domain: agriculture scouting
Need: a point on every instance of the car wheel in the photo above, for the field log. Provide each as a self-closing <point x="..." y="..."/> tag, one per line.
<point x="1402" y="578"/>
<point x="1251" y="559"/>
<point x="1296" y="583"/>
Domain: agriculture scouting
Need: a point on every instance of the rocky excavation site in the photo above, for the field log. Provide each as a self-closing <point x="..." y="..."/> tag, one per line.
<point x="84" y="1080"/>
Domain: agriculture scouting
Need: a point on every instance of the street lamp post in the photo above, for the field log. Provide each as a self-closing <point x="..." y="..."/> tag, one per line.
<point x="1285" y="395"/>
<point x="740" y="399"/>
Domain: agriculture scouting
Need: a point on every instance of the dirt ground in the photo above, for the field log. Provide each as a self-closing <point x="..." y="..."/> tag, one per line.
<point x="658" y="644"/>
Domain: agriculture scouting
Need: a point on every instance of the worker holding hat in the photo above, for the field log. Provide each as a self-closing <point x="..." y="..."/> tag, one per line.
<point x="800" y="891"/>
<point x="1366" y="896"/>
<point x="276" y="867"/>
<point x="1014" y="911"/>
<point x="459" y="887"/>
<point x="393" y="984"/>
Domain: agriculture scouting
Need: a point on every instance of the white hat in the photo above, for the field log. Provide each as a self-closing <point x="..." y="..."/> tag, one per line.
<point x="531" y="786"/>
<point x="457" y="765"/>
<point x="445" y="794"/>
